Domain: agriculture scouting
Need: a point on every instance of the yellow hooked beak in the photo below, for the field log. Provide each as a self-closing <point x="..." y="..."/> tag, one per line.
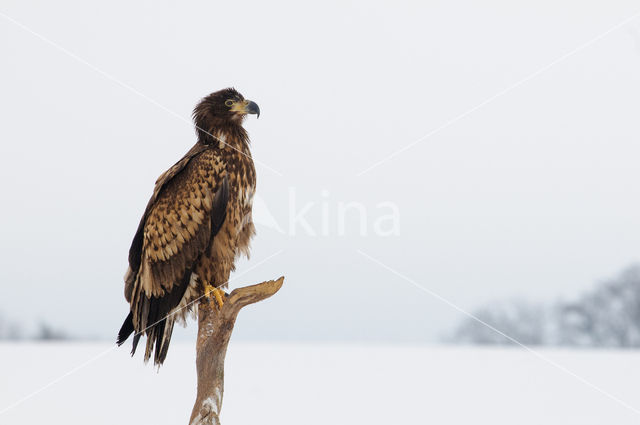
<point x="245" y="107"/>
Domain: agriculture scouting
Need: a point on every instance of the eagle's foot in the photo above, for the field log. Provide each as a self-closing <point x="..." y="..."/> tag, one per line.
<point x="216" y="296"/>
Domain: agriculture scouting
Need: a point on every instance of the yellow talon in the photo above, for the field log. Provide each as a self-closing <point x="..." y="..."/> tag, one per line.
<point x="214" y="293"/>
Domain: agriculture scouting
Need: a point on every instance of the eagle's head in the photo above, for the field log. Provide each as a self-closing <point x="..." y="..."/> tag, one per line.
<point x="221" y="111"/>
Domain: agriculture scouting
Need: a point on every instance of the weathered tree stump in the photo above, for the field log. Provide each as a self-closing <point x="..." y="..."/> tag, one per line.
<point x="214" y="331"/>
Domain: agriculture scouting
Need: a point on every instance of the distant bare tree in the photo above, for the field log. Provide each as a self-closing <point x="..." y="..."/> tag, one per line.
<point x="521" y="321"/>
<point x="608" y="316"/>
<point x="48" y="333"/>
<point x="9" y="330"/>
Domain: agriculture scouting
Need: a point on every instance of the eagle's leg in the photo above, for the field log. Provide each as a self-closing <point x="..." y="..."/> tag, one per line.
<point x="216" y="296"/>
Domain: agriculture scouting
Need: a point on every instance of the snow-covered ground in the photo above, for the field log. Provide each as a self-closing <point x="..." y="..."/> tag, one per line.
<point x="321" y="384"/>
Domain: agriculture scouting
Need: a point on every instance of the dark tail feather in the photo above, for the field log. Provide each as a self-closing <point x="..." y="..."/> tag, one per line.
<point x="126" y="329"/>
<point x="136" y="338"/>
<point x="159" y="337"/>
<point x="157" y="321"/>
<point x="164" y="345"/>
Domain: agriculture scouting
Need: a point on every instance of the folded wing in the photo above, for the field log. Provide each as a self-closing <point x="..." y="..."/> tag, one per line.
<point x="186" y="210"/>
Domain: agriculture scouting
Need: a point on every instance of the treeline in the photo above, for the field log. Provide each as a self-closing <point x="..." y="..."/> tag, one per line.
<point x="607" y="316"/>
<point x="12" y="331"/>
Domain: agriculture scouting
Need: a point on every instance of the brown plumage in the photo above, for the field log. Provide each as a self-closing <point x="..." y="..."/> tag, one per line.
<point x="197" y="222"/>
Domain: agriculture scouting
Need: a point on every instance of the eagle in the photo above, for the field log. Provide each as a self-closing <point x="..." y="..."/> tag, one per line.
<point x="195" y="226"/>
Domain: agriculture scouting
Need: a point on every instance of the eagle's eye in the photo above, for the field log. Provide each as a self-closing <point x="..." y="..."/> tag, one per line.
<point x="228" y="102"/>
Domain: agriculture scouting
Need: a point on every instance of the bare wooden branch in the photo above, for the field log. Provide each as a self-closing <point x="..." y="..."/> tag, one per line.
<point x="214" y="331"/>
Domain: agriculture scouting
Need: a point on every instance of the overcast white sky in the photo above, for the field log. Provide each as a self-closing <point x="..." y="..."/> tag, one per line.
<point x="533" y="195"/>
